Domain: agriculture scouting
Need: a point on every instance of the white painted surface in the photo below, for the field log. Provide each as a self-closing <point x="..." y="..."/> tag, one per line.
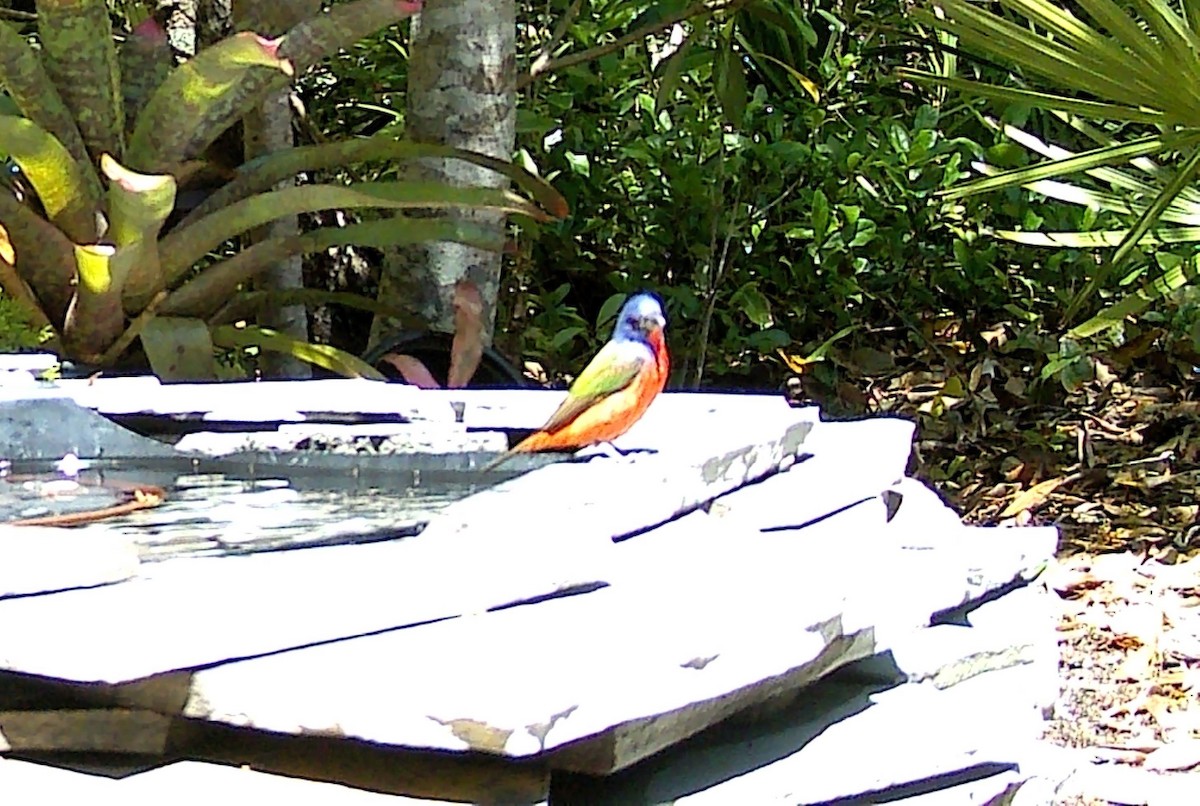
<point x="37" y="559"/>
<point x="546" y="530"/>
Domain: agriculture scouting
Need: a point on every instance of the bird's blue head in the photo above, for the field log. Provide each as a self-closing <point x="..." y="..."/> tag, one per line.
<point x="641" y="315"/>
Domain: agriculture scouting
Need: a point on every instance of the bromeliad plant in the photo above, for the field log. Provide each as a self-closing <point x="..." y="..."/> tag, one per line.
<point x="108" y="139"/>
<point x="1131" y="65"/>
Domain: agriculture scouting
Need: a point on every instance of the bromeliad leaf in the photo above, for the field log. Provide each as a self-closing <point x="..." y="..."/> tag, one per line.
<point x="62" y="184"/>
<point x="266" y="172"/>
<point x="94" y="315"/>
<point x="24" y="78"/>
<point x="209" y="91"/>
<point x="138" y="205"/>
<point x="179" y="349"/>
<point x="145" y="61"/>
<point x="202" y="295"/>
<point x="81" y="60"/>
<point x="322" y="355"/>
<point x="184" y="246"/>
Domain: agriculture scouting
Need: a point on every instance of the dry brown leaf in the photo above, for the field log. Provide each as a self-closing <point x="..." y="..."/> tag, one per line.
<point x="467" y="349"/>
<point x="412" y="370"/>
<point x="1072" y="583"/>
<point x="870" y="361"/>
<point x="1118" y="754"/>
<point x="1035" y="496"/>
<point x="1138" y="628"/>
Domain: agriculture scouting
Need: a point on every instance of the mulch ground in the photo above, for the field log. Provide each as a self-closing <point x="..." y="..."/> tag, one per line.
<point x="1108" y="450"/>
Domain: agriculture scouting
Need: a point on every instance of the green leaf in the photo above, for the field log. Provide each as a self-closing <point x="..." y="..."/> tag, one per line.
<point x="823" y="350"/>
<point x="731" y="84"/>
<point x="322" y="355"/>
<point x="1137" y="302"/>
<point x="179" y="349"/>
<point x="93" y="264"/>
<point x="24" y="77"/>
<point x="1075" y="163"/>
<point x="1148" y="220"/>
<point x="752" y="303"/>
<point x="61" y="183"/>
<point x="529" y="122"/>
<point x="791" y="151"/>
<point x="184" y="246"/>
<point x="608" y="311"/>
<point x="579" y="163"/>
<point x="205" y="293"/>
<point x="1097" y="239"/>
<point x="305" y="44"/>
<point x="95" y="318"/>
<point x="201" y="93"/>
<point x="803" y="81"/>
<point x="864" y="233"/>
<point x="1040" y="100"/>
<point x="820" y="216"/>
<point x="898" y="137"/>
<point x="266" y="172"/>
<point x="670" y="73"/>
<point x="565" y="336"/>
<point x="80" y="57"/>
<point x="138" y="204"/>
<point x="1076" y="57"/>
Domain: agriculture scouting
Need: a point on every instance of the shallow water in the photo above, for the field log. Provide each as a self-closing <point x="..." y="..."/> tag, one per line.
<point x="222" y="507"/>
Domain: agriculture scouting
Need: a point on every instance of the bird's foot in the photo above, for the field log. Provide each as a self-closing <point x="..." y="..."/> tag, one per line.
<point x="607" y="449"/>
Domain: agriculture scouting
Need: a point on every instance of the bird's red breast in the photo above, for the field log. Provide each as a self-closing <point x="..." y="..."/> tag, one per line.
<point x="612" y="416"/>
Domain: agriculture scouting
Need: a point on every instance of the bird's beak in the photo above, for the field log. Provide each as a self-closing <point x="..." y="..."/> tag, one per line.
<point x="659" y="321"/>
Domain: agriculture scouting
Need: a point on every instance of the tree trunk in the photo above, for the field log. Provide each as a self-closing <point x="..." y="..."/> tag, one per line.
<point x="461" y="92"/>
<point x="266" y="129"/>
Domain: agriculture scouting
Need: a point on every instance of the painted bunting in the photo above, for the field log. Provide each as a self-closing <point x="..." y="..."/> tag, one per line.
<point x="615" y="388"/>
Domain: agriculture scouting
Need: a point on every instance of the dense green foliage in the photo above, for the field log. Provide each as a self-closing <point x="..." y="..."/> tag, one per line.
<point x="17" y="333"/>
<point x="763" y="168"/>
<point x="698" y="162"/>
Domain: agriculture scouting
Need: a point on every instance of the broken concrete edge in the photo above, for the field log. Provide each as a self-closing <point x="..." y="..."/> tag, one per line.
<point x="99" y="730"/>
<point x="228" y="768"/>
<point x="632" y="744"/>
<point x="635" y="741"/>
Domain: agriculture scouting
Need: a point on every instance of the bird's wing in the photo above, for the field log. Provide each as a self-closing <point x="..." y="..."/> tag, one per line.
<point x="613" y="368"/>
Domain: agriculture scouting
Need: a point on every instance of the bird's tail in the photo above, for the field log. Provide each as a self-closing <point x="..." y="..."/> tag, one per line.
<point x="537" y="441"/>
<point x="499" y="460"/>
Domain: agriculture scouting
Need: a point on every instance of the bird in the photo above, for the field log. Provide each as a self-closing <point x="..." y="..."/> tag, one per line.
<point x="615" y="388"/>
